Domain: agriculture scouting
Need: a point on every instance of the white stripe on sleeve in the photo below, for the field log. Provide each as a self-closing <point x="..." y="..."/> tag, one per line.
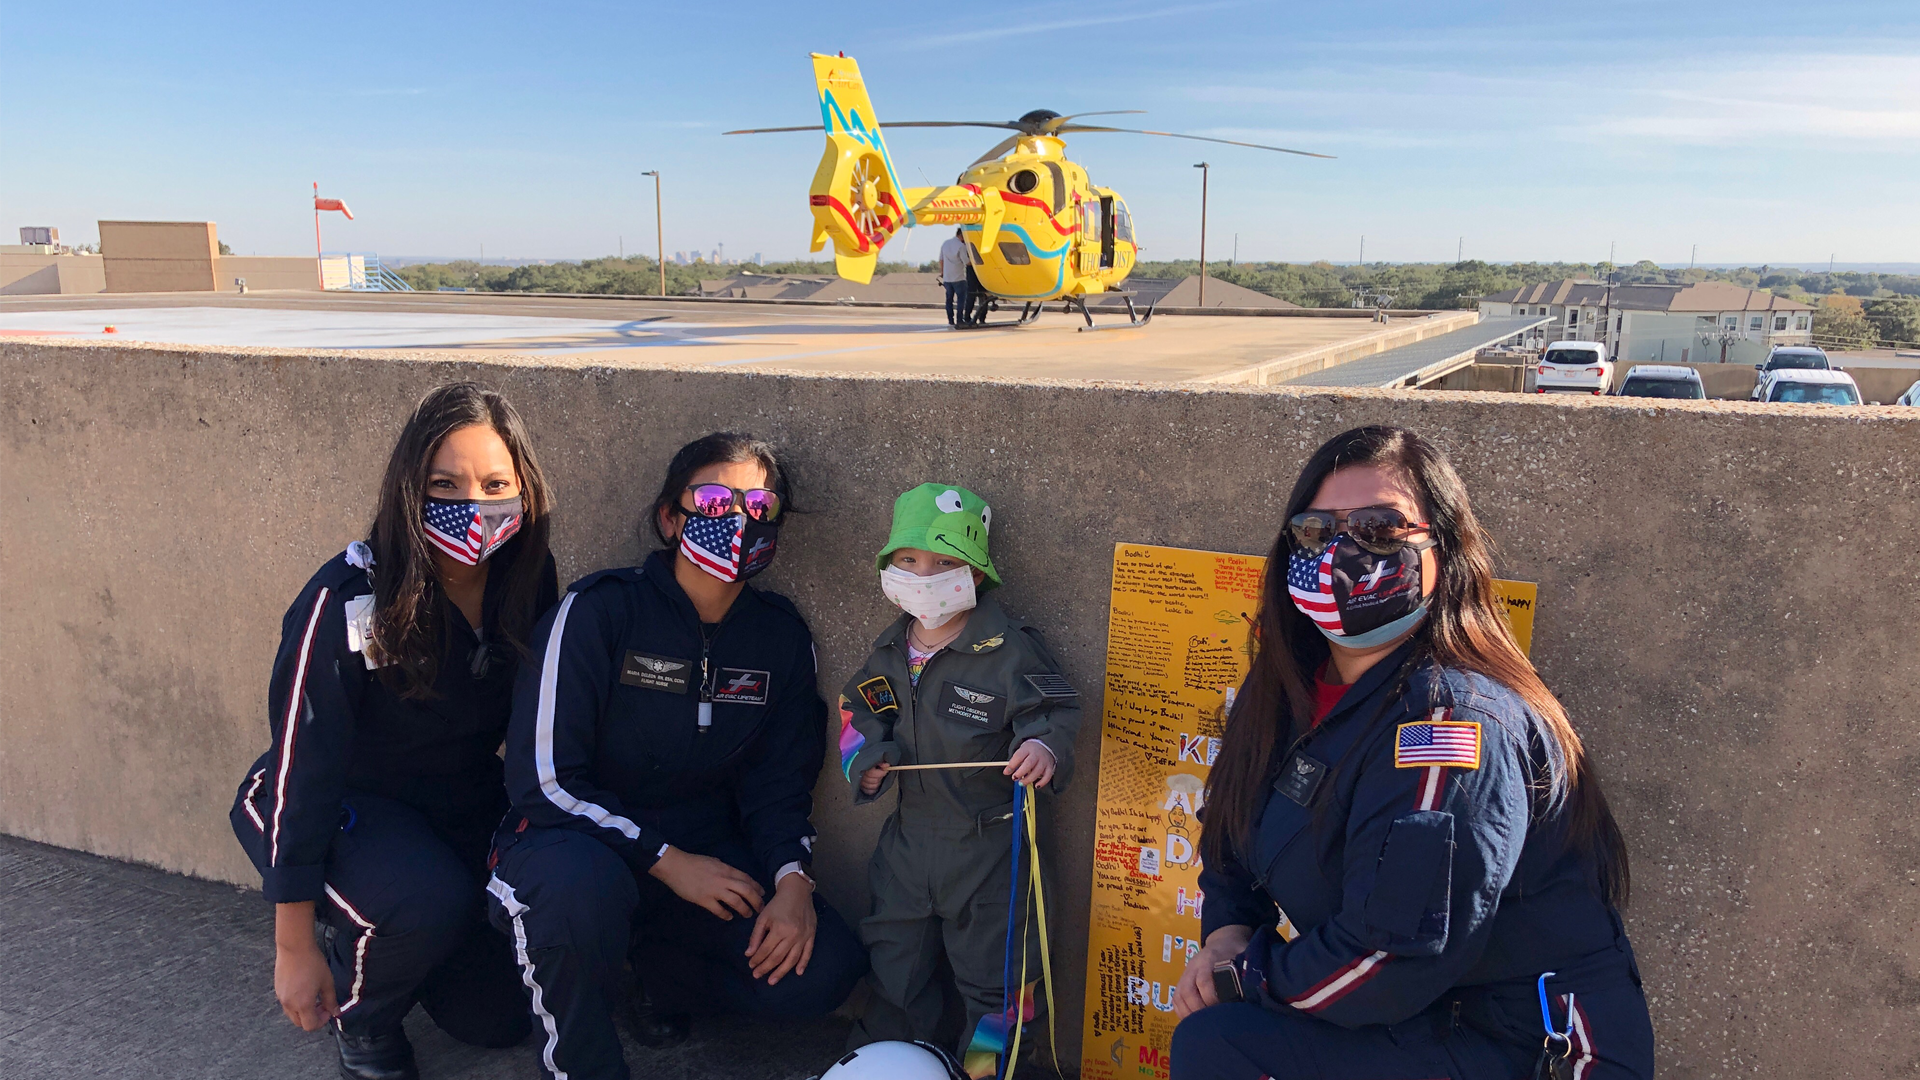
<point x="543" y="738"/>
<point x="295" y="697"/>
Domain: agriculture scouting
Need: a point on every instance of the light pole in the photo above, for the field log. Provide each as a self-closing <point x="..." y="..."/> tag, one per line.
<point x="659" y="231"/>
<point x="1203" y="232"/>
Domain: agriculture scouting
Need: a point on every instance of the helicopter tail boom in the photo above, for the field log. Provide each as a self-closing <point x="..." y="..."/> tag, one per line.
<point x="856" y="200"/>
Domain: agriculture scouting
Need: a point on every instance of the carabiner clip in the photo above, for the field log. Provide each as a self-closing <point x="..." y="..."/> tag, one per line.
<point x="1564" y="1038"/>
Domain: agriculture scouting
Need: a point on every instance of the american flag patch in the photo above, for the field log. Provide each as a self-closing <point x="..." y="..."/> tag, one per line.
<point x="1454" y="744"/>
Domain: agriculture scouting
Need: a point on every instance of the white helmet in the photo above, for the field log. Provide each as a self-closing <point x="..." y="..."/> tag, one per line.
<point x="896" y="1061"/>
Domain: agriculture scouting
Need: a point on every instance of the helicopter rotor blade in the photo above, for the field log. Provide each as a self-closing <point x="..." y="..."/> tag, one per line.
<point x="1054" y="125"/>
<point x="769" y="131"/>
<point x="1071" y="128"/>
<point x="1002" y="147"/>
<point x="949" y="123"/>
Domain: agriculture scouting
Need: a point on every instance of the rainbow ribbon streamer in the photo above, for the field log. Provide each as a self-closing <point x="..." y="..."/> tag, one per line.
<point x="990" y="1035"/>
<point x="850" y="739"/>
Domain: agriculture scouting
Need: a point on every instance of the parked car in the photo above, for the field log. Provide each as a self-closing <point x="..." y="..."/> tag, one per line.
<point x="1812" y="387"/>
<point x="1789" y="358"/>
<point x="1911" y="397"/>
<point x="1573" y="367"/>
<point x="1662" y="381"/>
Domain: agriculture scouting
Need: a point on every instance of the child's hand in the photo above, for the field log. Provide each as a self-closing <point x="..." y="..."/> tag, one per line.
<point x="1031" y="764"/>
<point x="870" y="780"/>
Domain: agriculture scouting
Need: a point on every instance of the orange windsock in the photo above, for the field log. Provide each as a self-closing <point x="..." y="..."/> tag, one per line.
<point x="332" y="204"/>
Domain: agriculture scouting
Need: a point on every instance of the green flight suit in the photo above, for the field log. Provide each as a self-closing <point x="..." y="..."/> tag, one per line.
<point x="941" y="872"/>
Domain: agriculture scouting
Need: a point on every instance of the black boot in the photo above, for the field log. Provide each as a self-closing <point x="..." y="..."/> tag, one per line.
<point x="651" y="1026"/>
<point x="375" y="1057"/>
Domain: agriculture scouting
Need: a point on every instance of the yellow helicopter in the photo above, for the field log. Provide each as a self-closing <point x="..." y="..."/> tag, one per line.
<point x="1039" y="228"/>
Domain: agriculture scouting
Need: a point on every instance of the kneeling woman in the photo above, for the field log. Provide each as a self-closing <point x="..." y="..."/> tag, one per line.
<point x="1408" y="856"/>
<point x="374" y="807"/>
<point x="662" y="756"/>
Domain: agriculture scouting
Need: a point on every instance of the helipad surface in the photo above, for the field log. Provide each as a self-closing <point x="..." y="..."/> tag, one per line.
<point x="1172" y="348"/>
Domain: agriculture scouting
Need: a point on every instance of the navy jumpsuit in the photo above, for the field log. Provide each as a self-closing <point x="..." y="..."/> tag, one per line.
<point x="380" y="809"/>
<point x="608" y="764"/>
<point x="1422" y="903"/>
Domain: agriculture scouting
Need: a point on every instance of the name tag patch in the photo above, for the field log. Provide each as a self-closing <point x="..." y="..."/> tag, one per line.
<point x="1300" y="777"/>
<point x="656" y="672"/>
<point x="877" y="692"/>
<point x="972" y="706"/>
<point x="741" y="686"/>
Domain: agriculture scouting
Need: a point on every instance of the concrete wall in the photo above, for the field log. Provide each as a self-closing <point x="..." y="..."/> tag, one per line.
<point x="159" y="256"/>
<point x="1391" y="335"/>
<point x="1725" y="606"/>
<point x="24" y="274"/>
<point x="266" y="272"/>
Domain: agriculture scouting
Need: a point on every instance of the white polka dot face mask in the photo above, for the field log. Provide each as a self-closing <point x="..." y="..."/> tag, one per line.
<point x="933" y="599"/>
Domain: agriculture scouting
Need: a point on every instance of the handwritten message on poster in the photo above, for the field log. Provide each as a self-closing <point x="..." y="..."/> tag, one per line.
<point x="1178" y="645"/>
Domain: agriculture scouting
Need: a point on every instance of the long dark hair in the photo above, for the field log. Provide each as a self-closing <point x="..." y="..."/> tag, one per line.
<point x="718" y="448"/>
<point x="406" y="619"/>
<point x="1464" y="629"/>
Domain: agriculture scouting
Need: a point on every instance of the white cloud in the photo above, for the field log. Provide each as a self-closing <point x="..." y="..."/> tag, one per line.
<point x="1006" y="30"/>
<point x="1786" y="100"/>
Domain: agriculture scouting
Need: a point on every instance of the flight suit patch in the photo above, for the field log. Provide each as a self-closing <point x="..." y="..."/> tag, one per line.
<point x="741" y="686"/>
<point x="1053" y="687"/>
<point x="877" y="692"/>
<point x="1300" y="777"/>
<point x="972" y="706"/>
<point x="656" y="672"/>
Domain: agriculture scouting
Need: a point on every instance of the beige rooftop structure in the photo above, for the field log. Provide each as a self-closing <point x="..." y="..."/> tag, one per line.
<point x="160" y="256"/>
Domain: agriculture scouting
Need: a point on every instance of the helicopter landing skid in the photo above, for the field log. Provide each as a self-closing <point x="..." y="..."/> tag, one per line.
<point x="1028" y="313"/>
<point x="1134" y="318"/>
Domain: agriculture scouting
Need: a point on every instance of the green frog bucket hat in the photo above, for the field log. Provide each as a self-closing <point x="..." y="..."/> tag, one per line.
<point x="946" y="520"/>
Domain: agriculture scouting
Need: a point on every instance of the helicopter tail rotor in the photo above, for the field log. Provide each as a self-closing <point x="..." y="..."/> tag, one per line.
<point x="855" y="197"/>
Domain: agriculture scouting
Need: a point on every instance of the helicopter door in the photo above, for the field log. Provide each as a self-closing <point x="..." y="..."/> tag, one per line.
<point x="1106" y="232"/>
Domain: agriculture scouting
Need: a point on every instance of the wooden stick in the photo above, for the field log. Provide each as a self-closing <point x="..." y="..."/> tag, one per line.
<point x="950" y="765"/>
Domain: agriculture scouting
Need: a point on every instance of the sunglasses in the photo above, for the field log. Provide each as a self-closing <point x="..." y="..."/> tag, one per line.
<point x="719" y="500"/>
<point x="1379" y="529"/>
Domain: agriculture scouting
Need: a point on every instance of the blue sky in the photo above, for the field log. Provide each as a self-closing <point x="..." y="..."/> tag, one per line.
<point x="1761" y="132"/>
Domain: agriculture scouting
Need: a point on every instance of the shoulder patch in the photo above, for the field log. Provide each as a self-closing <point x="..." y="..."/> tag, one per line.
<point x="1053" y="687"/>
<point x="993" y="642"/>
<point x="877" y="692"/>
<point x="1437" y="740"/>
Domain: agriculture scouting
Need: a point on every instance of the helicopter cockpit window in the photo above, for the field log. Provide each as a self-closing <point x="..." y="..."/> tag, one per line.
<point x="1023" y="182"/>
<point x="1122" y="222"/>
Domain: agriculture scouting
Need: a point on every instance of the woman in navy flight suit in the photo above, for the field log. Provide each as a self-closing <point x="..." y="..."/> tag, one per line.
<point x="665" y="741"/>
<point x="373" y="808"/>
<point x="1403" y="832"/>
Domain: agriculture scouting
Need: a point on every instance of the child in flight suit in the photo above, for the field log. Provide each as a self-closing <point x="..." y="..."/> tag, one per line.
<point x="954" y="679"/>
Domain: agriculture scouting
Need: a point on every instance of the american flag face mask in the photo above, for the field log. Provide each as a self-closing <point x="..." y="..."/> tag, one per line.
<point x="470" y="531"/>
<point x="1355" y="597"/>
<point x="731" y="548"/>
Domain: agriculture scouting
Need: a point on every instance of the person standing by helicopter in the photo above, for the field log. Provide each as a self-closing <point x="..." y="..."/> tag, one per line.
<point x="954" y="257"/>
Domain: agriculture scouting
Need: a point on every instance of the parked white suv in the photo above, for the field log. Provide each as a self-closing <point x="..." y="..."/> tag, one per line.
<point x="1811" y="387"/>
<point x="1574" y="367"/>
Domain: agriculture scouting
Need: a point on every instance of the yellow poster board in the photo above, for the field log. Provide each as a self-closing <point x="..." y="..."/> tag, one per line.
<point x="1178" y="644"/>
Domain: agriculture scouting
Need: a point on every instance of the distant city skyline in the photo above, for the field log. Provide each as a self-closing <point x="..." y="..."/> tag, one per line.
<point x="1761" y="132"/>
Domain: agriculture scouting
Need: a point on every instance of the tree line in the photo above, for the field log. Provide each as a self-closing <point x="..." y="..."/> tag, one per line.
<point x="1872" y="307"/>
